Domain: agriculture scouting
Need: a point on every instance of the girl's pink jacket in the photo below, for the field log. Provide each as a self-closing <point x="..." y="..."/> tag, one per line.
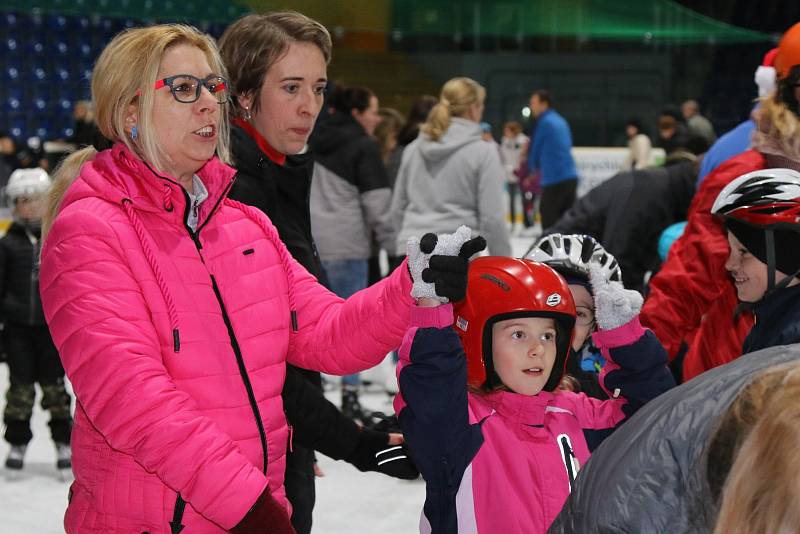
<point x="175" y="343"/>
<point x="505" y="462"/>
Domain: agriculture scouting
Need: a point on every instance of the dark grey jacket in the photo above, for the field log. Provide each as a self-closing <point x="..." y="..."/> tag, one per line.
<point x="650" y="475"/>
<point x="350" y="194"/>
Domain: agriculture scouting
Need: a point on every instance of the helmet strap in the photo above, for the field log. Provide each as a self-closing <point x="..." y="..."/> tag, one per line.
<point x="770" y="242"/>
<point x="772" y="268"/>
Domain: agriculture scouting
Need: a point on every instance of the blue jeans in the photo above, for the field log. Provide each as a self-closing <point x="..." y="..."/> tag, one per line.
<point x="346" y="277"/>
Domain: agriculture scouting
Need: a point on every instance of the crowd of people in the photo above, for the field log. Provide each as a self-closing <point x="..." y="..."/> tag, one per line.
<point x="215" y="242"/>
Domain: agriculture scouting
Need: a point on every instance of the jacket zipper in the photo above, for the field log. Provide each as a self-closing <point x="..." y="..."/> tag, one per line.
<point x="570" y="462"/>
<point x="34" y="286"/>
<point x="226" y="318"/>
<point x="175" y="525"/>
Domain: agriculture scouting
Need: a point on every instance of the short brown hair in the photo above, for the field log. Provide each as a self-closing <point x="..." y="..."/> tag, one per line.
<point x="544" y="96"/>
<point x="252" y="44"/>
<point x="514" y="127"/>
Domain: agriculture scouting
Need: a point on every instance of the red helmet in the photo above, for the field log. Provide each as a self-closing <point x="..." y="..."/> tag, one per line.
<point x="501" y="288"/>
<point x="768" y="198"/>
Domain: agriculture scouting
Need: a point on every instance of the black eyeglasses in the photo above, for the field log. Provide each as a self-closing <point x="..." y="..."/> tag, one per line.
<point x="186" y="88"/>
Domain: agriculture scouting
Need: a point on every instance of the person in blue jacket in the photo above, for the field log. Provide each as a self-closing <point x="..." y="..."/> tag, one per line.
<point x="551" y="156"/>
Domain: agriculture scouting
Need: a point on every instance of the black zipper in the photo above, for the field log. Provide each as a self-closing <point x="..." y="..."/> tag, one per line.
<point x="226" y="318"/>
<point x="34" y="281"/>
<point x="568" y="456"/>
<point x="243" y="371"/>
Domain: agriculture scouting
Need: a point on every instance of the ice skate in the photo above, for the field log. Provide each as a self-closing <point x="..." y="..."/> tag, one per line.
<point x="16" y="457"/>
<point x="351" y="407"/>
<point x="64" y="462"/>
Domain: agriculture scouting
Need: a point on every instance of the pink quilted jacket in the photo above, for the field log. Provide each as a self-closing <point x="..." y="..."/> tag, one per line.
<point x="176" y="344"/>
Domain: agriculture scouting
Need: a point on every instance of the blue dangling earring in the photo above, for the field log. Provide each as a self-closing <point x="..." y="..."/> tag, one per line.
<point x="134" y="133"/>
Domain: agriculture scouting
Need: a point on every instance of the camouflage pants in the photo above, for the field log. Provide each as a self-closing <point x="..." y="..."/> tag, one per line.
<point x="33" y="358"/>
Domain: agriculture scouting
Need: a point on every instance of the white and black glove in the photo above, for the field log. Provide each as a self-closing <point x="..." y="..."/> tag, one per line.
<point x="373" y="453"/>
<point x="614" y="305"/>
<point x="438" y="264"/>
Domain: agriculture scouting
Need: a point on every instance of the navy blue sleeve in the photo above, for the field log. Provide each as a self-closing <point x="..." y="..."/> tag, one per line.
<point x="640" y="373"/>
<point x="435" y="419"/>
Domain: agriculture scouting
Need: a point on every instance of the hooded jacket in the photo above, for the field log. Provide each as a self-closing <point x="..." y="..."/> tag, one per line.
<point x="692" y="298"/>
<point x="505" y="462"/>
<point x="176" y="342"/>
<point x="350" y="192"/>
<point x="650" y="475"/>
<point x="453" y="181"/>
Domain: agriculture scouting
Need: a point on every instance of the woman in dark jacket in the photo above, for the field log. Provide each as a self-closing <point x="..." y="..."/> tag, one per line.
<point x="350" y="199"/>
<point x="277" y="65"/>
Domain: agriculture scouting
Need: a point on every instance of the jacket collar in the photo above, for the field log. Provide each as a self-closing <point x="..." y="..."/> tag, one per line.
<point x="274" y="155"/>
<point x="118" y="174"/>
<point x="776" y="307"/>
<point x="523" y="409"/>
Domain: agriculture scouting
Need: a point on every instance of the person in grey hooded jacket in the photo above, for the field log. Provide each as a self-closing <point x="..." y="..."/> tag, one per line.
<point x="651" y="475"/>
<point x="449" y="176"/>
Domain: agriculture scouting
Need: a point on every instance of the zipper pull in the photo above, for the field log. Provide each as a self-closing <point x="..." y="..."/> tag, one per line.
<point x="291" y="436"/>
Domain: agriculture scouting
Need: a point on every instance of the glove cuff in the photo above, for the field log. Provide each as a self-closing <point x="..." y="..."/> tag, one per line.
<point x="436" y="317"/>
<point x="620" y="336"/>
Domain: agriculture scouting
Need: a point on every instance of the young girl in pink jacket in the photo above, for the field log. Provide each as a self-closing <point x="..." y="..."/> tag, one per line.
<point x="498" y="443"/>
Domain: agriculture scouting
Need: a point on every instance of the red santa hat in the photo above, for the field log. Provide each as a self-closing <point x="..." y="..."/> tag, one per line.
<point x="766" y="74"/>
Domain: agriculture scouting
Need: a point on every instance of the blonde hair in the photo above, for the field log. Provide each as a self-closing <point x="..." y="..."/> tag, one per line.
<point x="124" y="75"/>
<point x="763" y="486"/>
<point x="778" y="128"/>
<point x="457" y="96"/>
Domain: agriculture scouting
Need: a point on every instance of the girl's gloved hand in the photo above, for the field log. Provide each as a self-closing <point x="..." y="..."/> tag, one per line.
<point x="613" y="304"/>
<point x="438" y="264"/>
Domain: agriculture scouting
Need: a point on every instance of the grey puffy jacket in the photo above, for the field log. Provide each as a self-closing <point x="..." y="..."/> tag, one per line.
<point x="649" y="477"/>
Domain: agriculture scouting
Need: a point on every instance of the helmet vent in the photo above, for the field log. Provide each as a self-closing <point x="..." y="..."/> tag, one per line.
<point x="495" y="280"/>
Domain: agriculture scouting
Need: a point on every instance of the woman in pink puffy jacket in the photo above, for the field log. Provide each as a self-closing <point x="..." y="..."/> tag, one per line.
<point x="175" y="309"/>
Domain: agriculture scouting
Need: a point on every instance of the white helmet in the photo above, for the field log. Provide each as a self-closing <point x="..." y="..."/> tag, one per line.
<point x="574" y="253"/>
<point x="26" y="182"/>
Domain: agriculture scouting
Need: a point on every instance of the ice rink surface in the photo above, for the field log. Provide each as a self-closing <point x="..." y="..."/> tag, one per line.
<point x="348" y="501"/>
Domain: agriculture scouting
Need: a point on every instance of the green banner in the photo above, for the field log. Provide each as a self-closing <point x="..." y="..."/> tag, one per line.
<point x="640" y="20"/>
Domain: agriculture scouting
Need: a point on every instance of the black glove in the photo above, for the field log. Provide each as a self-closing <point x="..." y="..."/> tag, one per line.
<point x="448" y="274"/>
<point x="373" y="453"/>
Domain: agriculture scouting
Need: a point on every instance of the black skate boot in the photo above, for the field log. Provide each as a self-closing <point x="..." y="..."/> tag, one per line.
<point x="16" y="457"/>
